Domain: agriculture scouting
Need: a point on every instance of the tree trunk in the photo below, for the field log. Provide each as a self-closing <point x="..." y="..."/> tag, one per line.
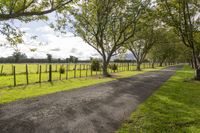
<point x="192" y="65"/>
<point x="105" y="70"/>
<point x="153" y="64"/>
<point x="138" y="66"/>
<point x="161" y="63"/>
<point x="194" y="58"/>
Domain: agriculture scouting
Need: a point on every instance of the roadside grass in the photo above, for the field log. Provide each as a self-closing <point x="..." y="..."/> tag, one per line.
<point x="10" y="94"/>
<point x="174" y="108"/>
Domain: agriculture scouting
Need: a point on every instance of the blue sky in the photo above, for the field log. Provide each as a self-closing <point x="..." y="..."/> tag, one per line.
<point x="61" y="46"/>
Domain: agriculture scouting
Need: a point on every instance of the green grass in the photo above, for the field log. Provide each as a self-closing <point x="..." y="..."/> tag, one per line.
<point x="174" y="108"/>
<point x="21" y="92"/>
<point x="8" y="79"/>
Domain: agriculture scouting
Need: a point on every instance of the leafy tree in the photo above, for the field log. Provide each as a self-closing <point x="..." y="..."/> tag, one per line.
<point x="104" y="24"/>
<point x="183" y="16"/>
<point x="95" y="65"/>
<point x="49" y="58"/>
<point x="25" y="10"/>
<point x="144" y="39"/>
<point x="17" y="55"/>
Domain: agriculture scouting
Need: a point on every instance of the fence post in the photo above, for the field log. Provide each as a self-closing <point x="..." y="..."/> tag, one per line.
<point x="40" y="73"/>
<point x="67" y="71"/>
<point x="60" y="72"/>
<point x="2" y="69"/>
<point x="14" y="75"/>
<point x="37" y="68"/>
<point x="27" y="74"/>
<point x="86" y="70"/>
<point x="80" y="70"/>
<point x="128" y="66"/>
<point x="56" y="67"/>
<point x="50" y="73"/>
<point x="46" y="68"/>
<point x="91" y="69"/>
<point x="75" y="71"/>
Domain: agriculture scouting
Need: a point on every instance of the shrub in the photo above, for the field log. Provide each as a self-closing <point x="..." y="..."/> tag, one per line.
<point x="113" y="67"/>
<point x="95" y="66"/>
<point x="62" y="69"/>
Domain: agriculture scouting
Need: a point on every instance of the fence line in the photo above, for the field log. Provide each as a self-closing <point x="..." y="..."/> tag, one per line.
<point x="70" y="71"/>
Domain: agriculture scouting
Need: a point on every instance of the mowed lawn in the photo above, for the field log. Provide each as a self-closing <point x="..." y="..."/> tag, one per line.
<point x="10" y="94"/>
<point x="174" y="108"/>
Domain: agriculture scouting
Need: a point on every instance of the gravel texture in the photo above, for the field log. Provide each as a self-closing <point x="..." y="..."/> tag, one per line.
<point x="100" y="108"/>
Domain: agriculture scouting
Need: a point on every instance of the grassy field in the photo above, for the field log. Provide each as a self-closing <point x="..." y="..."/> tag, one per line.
<point x="21" y="92"/>
<point x="174" y="108"/>
<point x="7" y="79"/>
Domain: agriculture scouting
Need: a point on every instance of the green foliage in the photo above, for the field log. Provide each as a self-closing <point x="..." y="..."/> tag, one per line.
<point x="103" y="24"/>
<point x="62" y="69"/>
<point x="26" y="11"/>
<point x="113" y="67"/>
<point x="174" y="108"/>
<point x="95" y="65"/>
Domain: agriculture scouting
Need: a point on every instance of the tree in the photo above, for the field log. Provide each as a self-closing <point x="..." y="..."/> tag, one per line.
<point x="17" y="55"/>
<point x="105" y="24"/>
<point x="183" y="16"/>
<point x="144" y="39"/>
<point x="165" y="48"/>
<point x="25" y="10"/>
<point x="49" y="58"/>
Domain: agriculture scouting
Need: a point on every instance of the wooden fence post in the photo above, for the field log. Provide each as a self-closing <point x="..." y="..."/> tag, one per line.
<point x="86" y="70"/>
<point x="91" y="69"/>
<point x="60" y="72"/>
<point x="50" y="73"/>
<point x="14" y="75"/>
<point x="40" y="73"/>
<point x="2" y="69"/>
<point x="38" y="68"/>
<point x="27" y="82"/>
<point x="46" y="68"/>
<point x="75" y="71"/>
<point x="56" y="67"/>
<point x="80" y="71"/>
<point x="67" y="71"/>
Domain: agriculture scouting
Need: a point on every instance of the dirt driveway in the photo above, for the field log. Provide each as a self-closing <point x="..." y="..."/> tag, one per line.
<point x="96" y="109"/>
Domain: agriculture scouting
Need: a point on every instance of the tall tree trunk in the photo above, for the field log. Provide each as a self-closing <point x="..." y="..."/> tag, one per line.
<point x="161" y="63"/>
<point x="152" y="65"/>
<point x="105" y="69"/>
<point x="192" y="64"/>
<point x="138" y="66"/>
<point x="194" y="58"/>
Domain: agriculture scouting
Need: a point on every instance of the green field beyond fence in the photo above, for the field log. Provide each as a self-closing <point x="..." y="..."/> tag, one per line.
<point x="21" y="74"/>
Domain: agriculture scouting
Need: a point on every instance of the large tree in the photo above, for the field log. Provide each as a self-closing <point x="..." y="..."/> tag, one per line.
<point x="105" y="25"/>
<point x="144" y="38"/>
<point x="166" y="49"/>
<point x="183" y="16"/>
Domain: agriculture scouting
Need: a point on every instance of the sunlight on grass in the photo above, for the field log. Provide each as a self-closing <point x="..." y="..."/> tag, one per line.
<point x="174" y="108"/>
<point x="21" y="92"/>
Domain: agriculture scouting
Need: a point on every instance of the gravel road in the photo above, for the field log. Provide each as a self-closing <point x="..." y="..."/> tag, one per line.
<point x="100" y="108"/>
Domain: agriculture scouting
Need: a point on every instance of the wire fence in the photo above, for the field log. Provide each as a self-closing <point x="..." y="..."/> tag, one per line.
<point x="22" y="74"/>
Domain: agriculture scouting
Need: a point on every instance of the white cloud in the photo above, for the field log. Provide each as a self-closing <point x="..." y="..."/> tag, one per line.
<point x="64" y="43"/>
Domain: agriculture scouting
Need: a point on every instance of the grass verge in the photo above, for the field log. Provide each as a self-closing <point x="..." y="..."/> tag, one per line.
<point x="21" y="92"/>
<point x="174" y="108"/>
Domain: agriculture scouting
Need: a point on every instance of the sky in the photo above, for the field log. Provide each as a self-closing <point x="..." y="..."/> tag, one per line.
<point x="48" y="42"/>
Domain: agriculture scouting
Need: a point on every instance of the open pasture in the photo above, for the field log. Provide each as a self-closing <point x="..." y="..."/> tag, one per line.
<point x="33" y="75"/>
